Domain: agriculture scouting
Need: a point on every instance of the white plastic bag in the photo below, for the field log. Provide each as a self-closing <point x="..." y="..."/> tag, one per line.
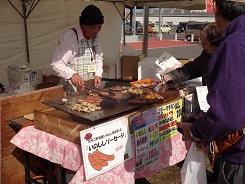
<point x="194" y="168"/>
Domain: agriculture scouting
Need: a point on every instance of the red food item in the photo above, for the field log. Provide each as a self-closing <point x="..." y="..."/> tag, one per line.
<point x="119" y="96"/>
<point x="116" y="88"/>
<point x="88" y="136"/>
<point x="104" y="156"/>
<point x="93" y="163"/>
<point x="96" y="100"/>
<point x="99" y="160"/>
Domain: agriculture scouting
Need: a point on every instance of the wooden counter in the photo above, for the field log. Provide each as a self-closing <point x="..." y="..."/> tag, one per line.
<point x="68" y="129"/>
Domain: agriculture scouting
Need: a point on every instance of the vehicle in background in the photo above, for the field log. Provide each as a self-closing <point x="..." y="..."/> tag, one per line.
<point x="151" y="24"/>
<point x="181" y="27"/>
<point x="138" y="24"/>
<point x="193" y="27"/>
<point x="140" y="29"/>
<point x="150" y="27"/>
<point x="164" y="29"/>
<point x="129" y="29"/>
<point x="155" y="29"/>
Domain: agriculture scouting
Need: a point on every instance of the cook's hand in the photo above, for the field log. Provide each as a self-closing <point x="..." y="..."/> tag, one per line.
<point x="186" y="130"/>
<point x="97" y="81"/>
<point x="77" y="81"/>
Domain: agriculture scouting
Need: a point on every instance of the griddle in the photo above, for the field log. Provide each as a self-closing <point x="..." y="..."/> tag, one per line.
<point x="110" y="108"/>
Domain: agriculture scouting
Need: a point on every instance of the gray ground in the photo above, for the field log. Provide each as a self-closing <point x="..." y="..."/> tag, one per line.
<point x="185" y="52"/>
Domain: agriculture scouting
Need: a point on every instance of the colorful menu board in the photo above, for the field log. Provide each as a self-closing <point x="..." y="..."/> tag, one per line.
<point x="168" y="115"/>
<point x="152" y="127"/>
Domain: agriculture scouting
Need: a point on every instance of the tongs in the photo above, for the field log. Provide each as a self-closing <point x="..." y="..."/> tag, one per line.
<point x="98" y="90"/>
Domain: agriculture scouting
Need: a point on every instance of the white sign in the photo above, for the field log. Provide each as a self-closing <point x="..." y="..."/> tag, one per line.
<point x="189" y="103"/>
<point x="167" y="62"/>
<point x="202" y="92"/>
<point x="105" y="146"/>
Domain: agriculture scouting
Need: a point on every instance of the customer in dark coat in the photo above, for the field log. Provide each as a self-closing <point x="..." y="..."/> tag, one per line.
<point x="226" y="89"/>
<point x="198" y="67"/>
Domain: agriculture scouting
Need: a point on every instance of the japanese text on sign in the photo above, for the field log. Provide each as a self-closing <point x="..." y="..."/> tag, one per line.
<point x="152" y="127"/>
<point x="168" y="115"/>
<point x="146" y="133"/>
<point x="105" y="146"/>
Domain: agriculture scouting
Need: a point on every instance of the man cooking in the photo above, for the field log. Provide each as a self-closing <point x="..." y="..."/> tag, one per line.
<point x="78" y="57"/>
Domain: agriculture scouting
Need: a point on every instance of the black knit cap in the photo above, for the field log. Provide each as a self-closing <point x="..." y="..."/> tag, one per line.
<point x="91" y="15"/>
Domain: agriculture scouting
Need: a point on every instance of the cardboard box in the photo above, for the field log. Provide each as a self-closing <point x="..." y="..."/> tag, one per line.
<point x="130" y="67"/>
<point x="147" y="68"/>
<point x="184" y="61"/>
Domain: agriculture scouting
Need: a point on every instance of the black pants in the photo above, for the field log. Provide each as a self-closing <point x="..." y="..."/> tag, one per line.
<point x="216" y="170"/>
<point x="231" y="173"/>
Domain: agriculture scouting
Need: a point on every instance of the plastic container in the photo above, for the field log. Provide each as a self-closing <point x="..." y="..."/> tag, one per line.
<point x="18" y="77"/>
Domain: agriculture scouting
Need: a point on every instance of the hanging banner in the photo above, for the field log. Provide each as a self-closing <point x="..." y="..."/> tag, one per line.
<point x="168" y="116"/>
<point x="105" y="146"/>
<point x="209" y="7"/>
<point x="146" y="137"/>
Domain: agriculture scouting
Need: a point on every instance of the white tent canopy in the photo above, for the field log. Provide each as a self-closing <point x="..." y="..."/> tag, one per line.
<point x="46" y="23"/>
<point x="180" y="4"/>
<point x="50" y="18"/>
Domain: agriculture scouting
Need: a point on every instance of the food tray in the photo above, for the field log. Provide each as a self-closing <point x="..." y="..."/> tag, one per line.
<point x="110" y="108"/>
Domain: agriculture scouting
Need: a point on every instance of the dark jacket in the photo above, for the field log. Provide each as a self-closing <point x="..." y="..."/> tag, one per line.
<point x="226" y="89"/>
<point x="192" y="69"/>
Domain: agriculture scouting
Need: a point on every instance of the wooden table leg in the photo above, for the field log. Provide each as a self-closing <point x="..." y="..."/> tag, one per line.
<point x="27" y="168"/>
<point x="63" y="175"/>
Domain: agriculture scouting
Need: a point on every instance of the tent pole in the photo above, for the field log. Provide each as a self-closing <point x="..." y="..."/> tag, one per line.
<point x="160" y="23"/>
<point x="145" y="31"/>
<point x="131" y="21"/>
<point x="26" y="33"/>
<point x="124" y="27"/>
<point x="25" y="16"/>
<point x="134" y="20"/>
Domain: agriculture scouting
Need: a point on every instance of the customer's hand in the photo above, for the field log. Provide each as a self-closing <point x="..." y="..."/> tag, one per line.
<point x="186" y="130"/>
<point x="205" y="147"/>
